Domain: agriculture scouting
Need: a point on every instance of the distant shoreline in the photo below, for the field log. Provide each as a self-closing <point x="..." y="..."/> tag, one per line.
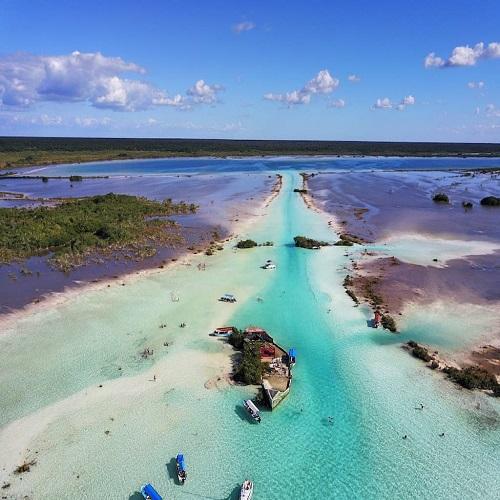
<point x="42" y="151"/>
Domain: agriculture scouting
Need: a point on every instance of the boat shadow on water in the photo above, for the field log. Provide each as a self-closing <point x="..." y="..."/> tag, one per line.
<point x="172" y="470"/>
<point x="243" y="414"/>
<point x="137" y="495"/>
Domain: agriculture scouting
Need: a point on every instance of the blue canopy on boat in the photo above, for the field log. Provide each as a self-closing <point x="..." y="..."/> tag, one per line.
<point x="292" y="353"/>
<point x="180" y="461"/>
<point x="149" y="492"/>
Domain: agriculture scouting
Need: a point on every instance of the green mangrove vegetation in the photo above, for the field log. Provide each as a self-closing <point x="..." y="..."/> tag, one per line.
<point x="473" y="377"/>
<point x="250" y="369"/>
<point x="419" y="351"/>
<point x="77" y="227"/>
<point x="440" y="198"/>
<point x="309" y="243"/>
<point x="389" y="323"/>
<point x="246" y="244"/>
<point x="490" y="201"/>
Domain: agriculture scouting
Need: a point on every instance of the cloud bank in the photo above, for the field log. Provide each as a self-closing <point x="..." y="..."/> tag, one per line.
<point x="103" y="82"/>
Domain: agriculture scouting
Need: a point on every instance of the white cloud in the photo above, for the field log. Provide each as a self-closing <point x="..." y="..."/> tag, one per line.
<point x="386" y="103"/>
<point x="464" y="55"/>
<point x="322" y="83"/>
<point x="27" y="79"/>
<point x="492" y="111"/>
<point x="337" y="103"/>
<point x="89" y="122"/>
<point x="432" y="60"/>
<point x="383" y="103"/>
<point x="354" y="78"/>
<point x="290" y="98"/>
<point x="475" y="85"/>
<point x="408" y="100"/>
<point x="202" y="92"/>
<point x="244" y="26"/>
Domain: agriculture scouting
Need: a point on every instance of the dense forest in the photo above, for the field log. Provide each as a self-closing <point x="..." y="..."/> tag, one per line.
<point x="19" y="151"/>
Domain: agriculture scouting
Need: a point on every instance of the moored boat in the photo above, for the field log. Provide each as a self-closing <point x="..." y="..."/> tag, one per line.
<point x="227" y="297"/>
<point x="269" y="265"/>
<point x="246" y="491"/>
<point x="252" y="410"/>
<point x="149" y="493"/>
<point x="181" y="468"/>
<point x="292" y="356"/>
<point x="222" y="331"/>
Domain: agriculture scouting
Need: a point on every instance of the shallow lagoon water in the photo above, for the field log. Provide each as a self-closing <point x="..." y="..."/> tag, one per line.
<point x="359" y="376"/>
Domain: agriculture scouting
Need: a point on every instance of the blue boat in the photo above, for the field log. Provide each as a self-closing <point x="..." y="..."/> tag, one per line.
<point x="150" y="493"/>
<point x="292" y="354"/>
<point x="181" y="468"/>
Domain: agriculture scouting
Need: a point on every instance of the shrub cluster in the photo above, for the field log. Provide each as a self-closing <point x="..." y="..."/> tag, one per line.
<point x="441" y="198"/>
<point x="473" y="377"/>
<point x="246" y="244"/>
<point x="388" y="323"/>
<point x="309" y="243"/>
<point x="78" y="226"/>
<point x="490" y="201"/>
<point x="251" y="368"/>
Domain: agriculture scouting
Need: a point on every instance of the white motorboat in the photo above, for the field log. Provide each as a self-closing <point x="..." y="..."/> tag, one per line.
<point x="246" y="491"/>
<point x="252" y="410"/>
<point x="269" y="265"/>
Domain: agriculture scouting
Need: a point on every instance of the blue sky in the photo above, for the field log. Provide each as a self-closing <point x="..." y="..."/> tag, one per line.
<point x="357" y="70"/>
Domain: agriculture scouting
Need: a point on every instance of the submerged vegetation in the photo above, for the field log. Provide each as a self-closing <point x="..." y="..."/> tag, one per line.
<point x="77" y="227"/>
<point x="309" y="243"/>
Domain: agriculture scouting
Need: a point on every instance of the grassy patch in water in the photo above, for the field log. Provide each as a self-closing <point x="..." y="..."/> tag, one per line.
<point x="77" y="227"/>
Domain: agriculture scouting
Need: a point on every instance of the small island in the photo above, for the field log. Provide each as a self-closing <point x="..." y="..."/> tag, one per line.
<point x="309" y="243"/>
<point x="490" y="201"/>
<point x="246" y="244"/>
<point x="440" y="198"/>
<point x="252" y="244"/>
<point x="262" y="361"/>
<point x="470" y="377"/>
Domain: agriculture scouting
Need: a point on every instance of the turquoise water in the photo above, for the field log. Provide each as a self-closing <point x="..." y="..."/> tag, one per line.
<point x="359" y="376"/>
